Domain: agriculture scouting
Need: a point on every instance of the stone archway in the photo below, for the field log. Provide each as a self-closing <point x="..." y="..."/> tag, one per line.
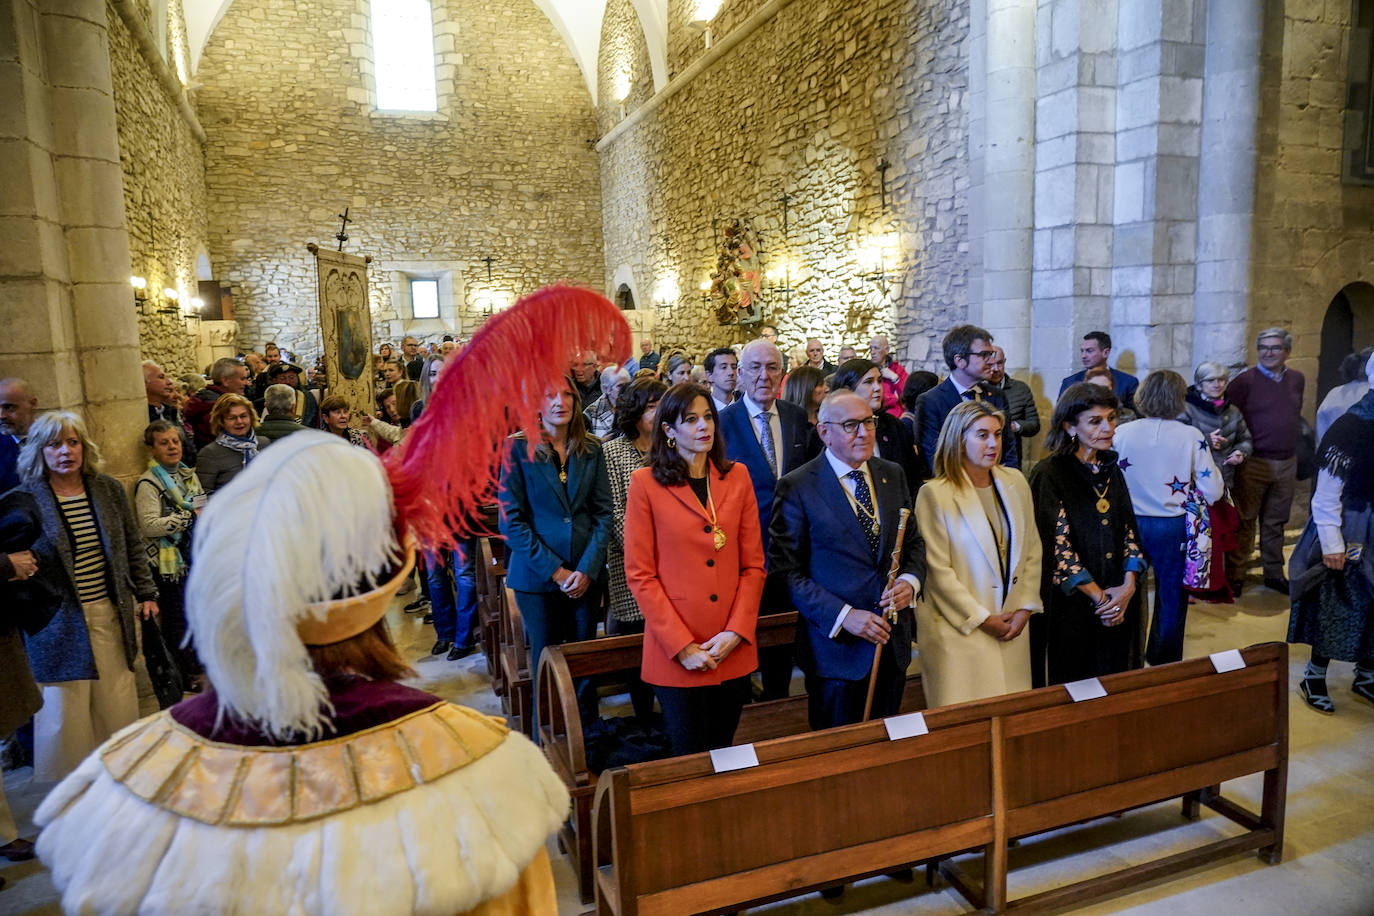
<point x="625" y="298"/>
<point x="1347" y="326"/>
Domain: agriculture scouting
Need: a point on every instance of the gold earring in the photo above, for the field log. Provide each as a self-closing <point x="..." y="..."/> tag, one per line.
<point x="672" y="442"/>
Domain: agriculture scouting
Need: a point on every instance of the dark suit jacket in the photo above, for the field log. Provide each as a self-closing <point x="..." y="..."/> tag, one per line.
<point x="894" y="441"/>
<point x="818" y="548"/>
<point x="61" y="651"/>
<point x="933" y="406"/>
<point x="1125" y="386"/>
<point x="547" y="526"/>
<point x="9" y="460"/>
<point x="743" y="446"/>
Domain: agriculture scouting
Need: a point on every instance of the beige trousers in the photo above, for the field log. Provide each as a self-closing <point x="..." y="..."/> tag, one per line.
<point x="77" y="716"/>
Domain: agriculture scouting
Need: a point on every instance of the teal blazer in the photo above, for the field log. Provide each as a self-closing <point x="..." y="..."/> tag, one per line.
<point x="547" y="524"/>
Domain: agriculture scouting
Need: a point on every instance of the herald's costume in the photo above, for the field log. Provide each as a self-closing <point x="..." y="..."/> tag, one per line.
<point x="280" y="791"/>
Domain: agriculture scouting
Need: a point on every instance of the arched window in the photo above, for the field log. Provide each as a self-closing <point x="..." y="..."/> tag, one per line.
<point x="403" y="55"/>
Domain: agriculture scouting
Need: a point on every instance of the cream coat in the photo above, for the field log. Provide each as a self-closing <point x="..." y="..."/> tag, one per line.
<point x="963" y="588"/>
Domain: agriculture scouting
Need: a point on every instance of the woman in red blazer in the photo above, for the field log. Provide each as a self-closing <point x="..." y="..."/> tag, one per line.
<point x="694" y="562"/>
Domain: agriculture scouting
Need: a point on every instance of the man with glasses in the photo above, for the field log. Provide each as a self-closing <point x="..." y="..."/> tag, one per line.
<point x="832" y="536"/>
<point x="1023" y="420"/>
<point x="969" y="353"/>
<point x="1093" y="352"/>
<point x="768" y="436"/>
<point x="1269" y="396"/>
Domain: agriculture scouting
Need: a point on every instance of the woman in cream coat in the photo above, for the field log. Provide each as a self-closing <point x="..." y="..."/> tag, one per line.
<point x="983" y="561"/>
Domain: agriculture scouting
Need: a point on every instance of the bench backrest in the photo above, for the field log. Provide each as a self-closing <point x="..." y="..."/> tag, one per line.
<point x="684" y="839"/>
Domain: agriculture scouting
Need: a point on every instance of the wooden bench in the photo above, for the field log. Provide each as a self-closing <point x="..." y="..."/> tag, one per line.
<point x="560" y="725"/>
<point x="491" y="586"/>
<point x="674" y="837"/>
<point x="514" y="652"/>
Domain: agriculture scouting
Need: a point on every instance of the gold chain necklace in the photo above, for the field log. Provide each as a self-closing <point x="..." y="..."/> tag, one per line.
<point x="717" y="532"/>
<point x="1103" y="504"/>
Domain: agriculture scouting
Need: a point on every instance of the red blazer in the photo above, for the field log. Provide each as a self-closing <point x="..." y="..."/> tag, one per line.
<point x="687" y="590"/>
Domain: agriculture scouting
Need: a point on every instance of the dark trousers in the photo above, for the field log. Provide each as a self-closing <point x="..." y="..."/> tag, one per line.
<point x="1162" y="540"/>
<point x="551" y="619"/>
<point x="453" y="596"/>
<point x="833" y="701"/>
<point x="172" y="618"/>
<point x="641" y="694"/>
<point x="1264" y="499"/>
<point x="702" y="718"/>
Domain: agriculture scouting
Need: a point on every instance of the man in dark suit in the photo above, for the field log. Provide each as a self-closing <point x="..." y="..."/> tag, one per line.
<point x="1093" y="352"/>
<point x="833" y="532"/>
<point x="18" y="406"/>
<point x="968" y="353"/>
<point x="784" y="449"/>
<point x="815" y="356"/>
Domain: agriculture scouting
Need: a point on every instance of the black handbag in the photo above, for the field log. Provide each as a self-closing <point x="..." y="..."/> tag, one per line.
<point x="162" y="665"/>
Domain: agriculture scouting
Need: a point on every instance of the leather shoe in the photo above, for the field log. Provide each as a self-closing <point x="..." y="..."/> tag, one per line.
<point x="460" y="650"/>
<point x="419" y="604"/>
<point x="441" y="647"/>
<point x="428" y="618"/>
<point x="1277" y="583"/>
<point x="20" y="850"/>
<point x="834" y="892"/>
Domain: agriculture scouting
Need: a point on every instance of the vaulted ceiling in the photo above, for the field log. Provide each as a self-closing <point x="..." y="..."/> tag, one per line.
<point x="577" y="21"/>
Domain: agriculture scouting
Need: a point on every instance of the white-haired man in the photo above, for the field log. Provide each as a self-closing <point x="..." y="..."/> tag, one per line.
<point x="600" y="413"/>
<point x="771" y="438"/>
<point x="1269" y="396"/>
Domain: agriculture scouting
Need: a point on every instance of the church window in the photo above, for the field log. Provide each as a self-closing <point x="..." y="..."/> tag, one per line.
<point x="424" y="298"/>
<point x="403" y="55"/>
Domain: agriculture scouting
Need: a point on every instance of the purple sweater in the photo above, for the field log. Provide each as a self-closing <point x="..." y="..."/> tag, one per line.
<point x="1271" y="409"/>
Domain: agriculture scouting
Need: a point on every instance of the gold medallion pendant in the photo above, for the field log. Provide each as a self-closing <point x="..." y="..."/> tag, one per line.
<point x="718" y="534"/>
<point x="1103" y="505"/>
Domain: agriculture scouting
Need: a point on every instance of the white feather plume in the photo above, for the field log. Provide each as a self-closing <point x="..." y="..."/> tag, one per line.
<point x="309" y="518"/>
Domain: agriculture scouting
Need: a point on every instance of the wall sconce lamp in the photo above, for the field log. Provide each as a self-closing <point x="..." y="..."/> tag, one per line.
<point x="780" y="280"/>
<point x="620" y="90"/>
<point x="191" y="310"/>
<point x="705" y="287"/>
<point x="666" y="293"/>
<point x="874" y="258"/>
<point x="140" y="286"/>
<point x="171" y="295"/>
<point x="703" y="13"/>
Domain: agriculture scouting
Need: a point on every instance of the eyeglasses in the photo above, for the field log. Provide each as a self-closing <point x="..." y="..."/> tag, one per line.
<point x="983" y="354"/>
<point x="851" y="427"/>
<point x="1265" y="348"/>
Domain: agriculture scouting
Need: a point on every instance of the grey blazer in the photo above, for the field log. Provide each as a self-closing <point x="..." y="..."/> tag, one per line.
<point x="61" y="651"/>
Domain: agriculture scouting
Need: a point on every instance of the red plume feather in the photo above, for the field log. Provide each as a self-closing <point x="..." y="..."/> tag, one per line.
<point x="450" y="460"/>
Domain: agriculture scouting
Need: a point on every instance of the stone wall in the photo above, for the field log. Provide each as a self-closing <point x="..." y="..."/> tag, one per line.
<point x="164" y="190"/>
<point x="1313" y="234"/>
<point x="807" y="103"/>
<point x="504" y="169"/>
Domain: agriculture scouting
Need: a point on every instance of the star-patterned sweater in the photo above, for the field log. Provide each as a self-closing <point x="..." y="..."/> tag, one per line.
<point x="1159" y="457"/>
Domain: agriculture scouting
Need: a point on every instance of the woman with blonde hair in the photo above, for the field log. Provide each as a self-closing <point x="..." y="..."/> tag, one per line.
<point x="91" y="558"/>
<point x="982" y="561"/>
<point x="233" y="423"/>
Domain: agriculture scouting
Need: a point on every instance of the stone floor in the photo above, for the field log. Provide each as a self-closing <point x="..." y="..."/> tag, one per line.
<point x="1328" y="864"/>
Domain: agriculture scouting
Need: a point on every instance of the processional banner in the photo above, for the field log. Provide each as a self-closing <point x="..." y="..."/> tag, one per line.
<point x="346" y="326"/>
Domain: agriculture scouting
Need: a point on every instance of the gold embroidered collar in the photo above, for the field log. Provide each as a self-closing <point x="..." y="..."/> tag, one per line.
<point x="168" y="765"/>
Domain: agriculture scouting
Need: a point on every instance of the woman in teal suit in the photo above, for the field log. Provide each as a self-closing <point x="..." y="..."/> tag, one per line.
<point x="556" y="515"/>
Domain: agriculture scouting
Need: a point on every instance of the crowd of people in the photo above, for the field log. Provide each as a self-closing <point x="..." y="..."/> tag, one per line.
<point x="890" y="508"/>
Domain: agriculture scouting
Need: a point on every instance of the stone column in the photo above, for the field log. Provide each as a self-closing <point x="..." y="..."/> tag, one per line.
<point x="1158" y="121"/>
<point x="1075" y="124"/>
<point x="64" y="251"/>
<point x="1226" y="179"/>
<point x="1009" y="176"/>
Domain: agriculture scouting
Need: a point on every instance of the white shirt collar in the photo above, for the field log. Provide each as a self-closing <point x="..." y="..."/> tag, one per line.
<point x="754" y="409"/>
<point x="842" y="469"/>
<point x="960" y="388"/>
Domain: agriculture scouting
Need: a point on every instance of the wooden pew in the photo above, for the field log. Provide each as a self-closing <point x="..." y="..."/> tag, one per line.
<point x="674" y="837"/>
<point x="518" y="700"/>
<point x="491" y="587"/>
<point x="560" y="726"/>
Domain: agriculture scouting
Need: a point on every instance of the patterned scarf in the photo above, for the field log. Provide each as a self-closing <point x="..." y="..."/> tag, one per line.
<point x="245" y="445"/>
<point x="179" y="487"/>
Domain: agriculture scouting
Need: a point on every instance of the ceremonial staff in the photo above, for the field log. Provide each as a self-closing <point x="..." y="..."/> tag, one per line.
<point x="891" y="614"/>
